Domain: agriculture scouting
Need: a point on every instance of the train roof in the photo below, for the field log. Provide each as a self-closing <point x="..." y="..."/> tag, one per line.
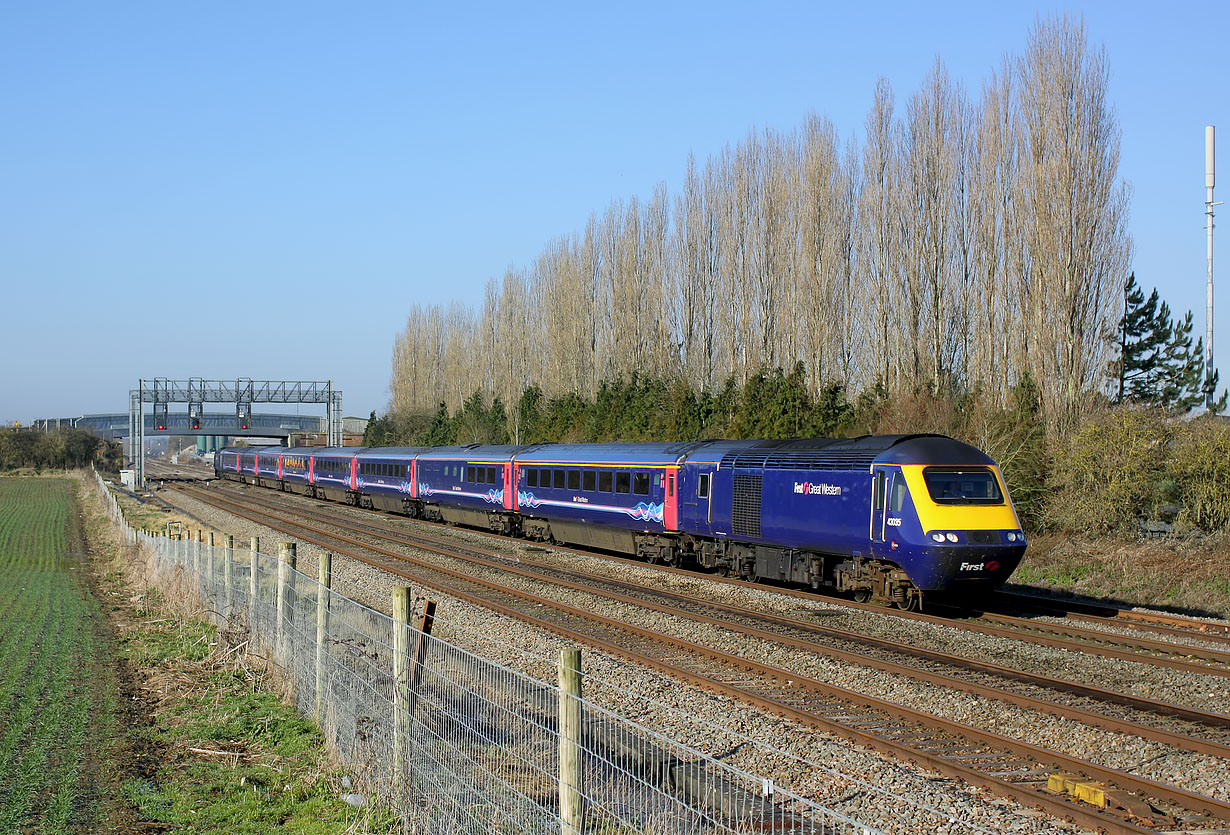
<point x="336" y="451"/>
<point x="386" y="452"/>
<point x="473" y="452"/>
<point x="634" y="454"/>
<point x="937" y="449"/>
<point x="856" y="453"/>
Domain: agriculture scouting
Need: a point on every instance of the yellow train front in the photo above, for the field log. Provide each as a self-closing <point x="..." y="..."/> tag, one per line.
<point x="940" y="511"/>
<point x="892" y="519"/>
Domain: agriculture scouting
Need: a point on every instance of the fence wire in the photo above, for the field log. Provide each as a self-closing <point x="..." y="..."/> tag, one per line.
<point x="456" y="742"/>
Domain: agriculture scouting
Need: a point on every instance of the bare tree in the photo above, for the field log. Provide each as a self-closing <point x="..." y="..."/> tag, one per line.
<point x="1074" y="213"/>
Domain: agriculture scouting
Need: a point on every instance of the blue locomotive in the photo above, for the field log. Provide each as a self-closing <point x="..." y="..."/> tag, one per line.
<point x="886" y="518"/>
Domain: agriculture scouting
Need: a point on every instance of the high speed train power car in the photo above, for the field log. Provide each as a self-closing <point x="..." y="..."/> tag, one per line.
<point x="887" y="518"/>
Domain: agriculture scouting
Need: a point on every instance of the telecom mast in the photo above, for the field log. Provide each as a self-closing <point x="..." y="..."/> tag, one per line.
<point x="1209" y="179"/>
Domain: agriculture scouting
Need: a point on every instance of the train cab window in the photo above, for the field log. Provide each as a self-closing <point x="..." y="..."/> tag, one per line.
<point x="492" y="478"/>
<point x="896" y="496"/>
<point x="604" y="481"/>
<point x="558" y="480"/>
<point x="531" y="478"/>
<point x="574" y="479"/>
<point x="702" y="486"/>
<point x="589" y="481"/>
<point x="640" y="484"/>
<point x="623" y="482"/>
<point x="962" y="485"/>
<point x="877" y="500"/>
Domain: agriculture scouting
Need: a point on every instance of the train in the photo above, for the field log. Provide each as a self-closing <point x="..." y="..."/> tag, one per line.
<point x="890" y="519"/>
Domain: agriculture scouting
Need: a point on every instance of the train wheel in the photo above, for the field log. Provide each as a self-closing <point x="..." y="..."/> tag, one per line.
<point x="860" y="595"/>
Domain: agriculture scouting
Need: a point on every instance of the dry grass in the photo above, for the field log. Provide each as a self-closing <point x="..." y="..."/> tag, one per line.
<point x="1190" y="575"/>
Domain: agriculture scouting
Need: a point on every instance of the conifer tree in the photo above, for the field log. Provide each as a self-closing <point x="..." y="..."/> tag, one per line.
<point x="1158" y="364"/>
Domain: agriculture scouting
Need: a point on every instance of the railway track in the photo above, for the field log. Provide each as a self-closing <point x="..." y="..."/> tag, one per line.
<point x="1188" y="728"/>
<point x="1009" y="767"/>
<point x="1163" y="653"/>
<point x="1160" y="623"/>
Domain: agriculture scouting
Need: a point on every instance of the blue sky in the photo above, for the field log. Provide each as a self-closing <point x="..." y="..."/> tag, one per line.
<point x="179" y="181"/>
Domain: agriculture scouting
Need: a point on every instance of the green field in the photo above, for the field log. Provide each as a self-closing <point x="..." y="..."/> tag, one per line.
<point x="56" y="698"/>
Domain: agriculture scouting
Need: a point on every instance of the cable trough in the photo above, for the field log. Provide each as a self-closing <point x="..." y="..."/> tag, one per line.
<point x="1121" y="802"/>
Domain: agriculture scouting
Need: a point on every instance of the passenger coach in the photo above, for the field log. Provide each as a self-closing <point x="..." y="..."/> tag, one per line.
<point x="889" y="518"/>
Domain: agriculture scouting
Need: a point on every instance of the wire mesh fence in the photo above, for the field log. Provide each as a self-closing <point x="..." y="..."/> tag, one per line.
<point x="456" y="742"/>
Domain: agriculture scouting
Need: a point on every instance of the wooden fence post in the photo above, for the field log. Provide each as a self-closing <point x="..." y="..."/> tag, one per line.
<point x="253" y="586"/>
<point x="571" y="801"/>
<point x="324" y="578"/>
<point x="228" y="574"/>
<point x="286" y="563"/>
<point x="210" y="569"/>
<point x="401" y="679"/>
<point x="190" y="547"/>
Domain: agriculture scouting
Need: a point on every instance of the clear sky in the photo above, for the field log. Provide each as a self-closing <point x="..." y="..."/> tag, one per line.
<point x="180" y="184"/>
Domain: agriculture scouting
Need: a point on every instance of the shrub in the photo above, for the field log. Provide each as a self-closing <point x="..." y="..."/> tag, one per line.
<point x="1199" y="470"/>
<point x="1106" y="474"/>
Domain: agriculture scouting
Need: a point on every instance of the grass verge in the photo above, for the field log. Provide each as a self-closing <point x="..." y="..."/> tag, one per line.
<point x="210" y="746"/>
<point x="1187" y="575"/>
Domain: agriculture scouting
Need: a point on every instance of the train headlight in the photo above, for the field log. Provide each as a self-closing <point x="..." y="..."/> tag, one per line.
<point x="938" y="537"/>
<point x="952" y="537"/>
<point x="1012" y="536"/>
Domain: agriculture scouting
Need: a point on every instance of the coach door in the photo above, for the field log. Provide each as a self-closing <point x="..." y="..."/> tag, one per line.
<point x="879" y="495"/>
<point x="510" y="486"/>
<point x="670" y="503"/>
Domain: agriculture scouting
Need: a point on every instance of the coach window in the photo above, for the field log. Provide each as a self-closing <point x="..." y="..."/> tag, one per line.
<point x="896" y="500"/>
<point x="558" y="480"/>
<point x="544" y="478"/>
<point x="604" y="481"/>
<point x="531" y="478"/>
<point x="640" y="484"/>
<point x="589" y="481"/>
<point x="623" y="481"/>
<point x="492" y="478"/>
<point x="702" y="486"/>
<point x="574" y="479"/>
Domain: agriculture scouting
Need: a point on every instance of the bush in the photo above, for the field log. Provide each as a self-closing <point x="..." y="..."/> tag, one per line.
<point x="1107" y="474"/>
<point x="1199" y="472"/>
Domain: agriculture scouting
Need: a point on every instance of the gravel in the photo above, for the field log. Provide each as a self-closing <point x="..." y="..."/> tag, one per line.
<point x="847" y="770"/>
